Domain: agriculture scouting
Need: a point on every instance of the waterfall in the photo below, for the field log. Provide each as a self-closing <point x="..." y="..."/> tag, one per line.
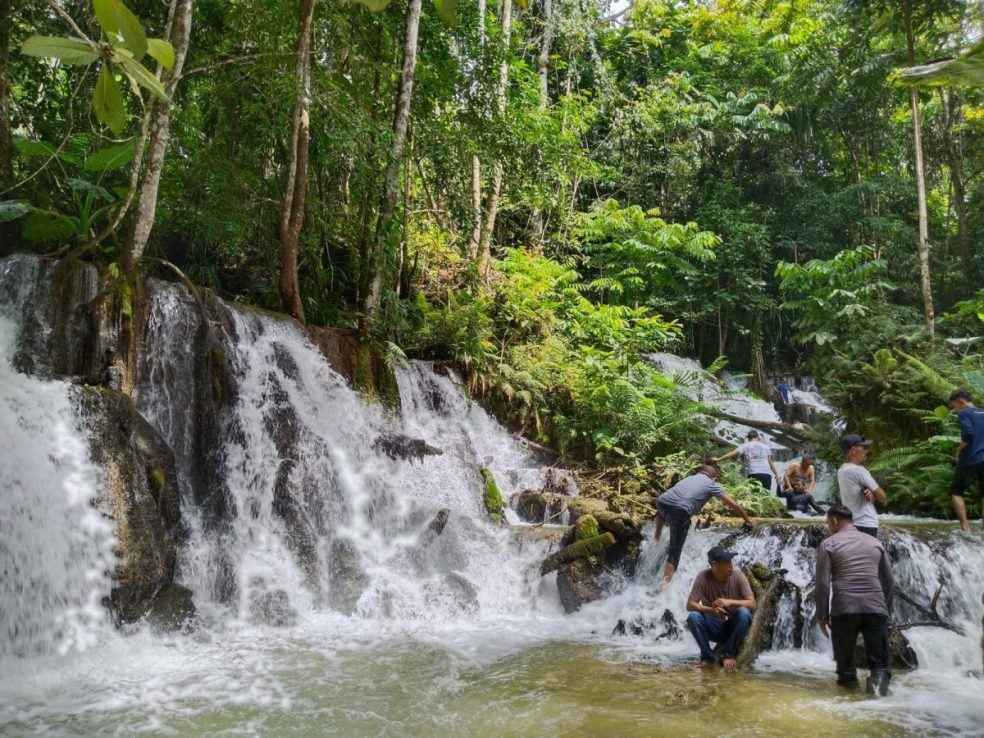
<point x="55" y="547"/>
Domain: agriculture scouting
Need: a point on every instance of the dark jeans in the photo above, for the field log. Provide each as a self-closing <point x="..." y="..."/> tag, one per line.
<point x="678" y="521"/>
<point x="728" y="633"/>
<point x="869" y="531"/>
<point x="844" y="631"/>
<point x="803" y="503"/>
<point x="964" y="476"/>
<point x="764" y="479"/>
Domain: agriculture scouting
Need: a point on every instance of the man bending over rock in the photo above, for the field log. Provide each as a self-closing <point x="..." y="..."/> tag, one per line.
<point x="681" y="502"/>
<point x="720" y="604"/>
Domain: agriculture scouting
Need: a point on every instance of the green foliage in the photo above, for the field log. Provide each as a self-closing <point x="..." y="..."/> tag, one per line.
<point x="757" y="501"/>
<point x="494" y="504"/>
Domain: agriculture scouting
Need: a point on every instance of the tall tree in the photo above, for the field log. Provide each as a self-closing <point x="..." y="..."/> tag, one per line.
<point x="295" y="184"/>
<point x="495" y="191"/>
<point x="378" y="256"/>
<point x="474" y="240"/>
<point x="925" y="281"/>
<point x="157" y="134"/>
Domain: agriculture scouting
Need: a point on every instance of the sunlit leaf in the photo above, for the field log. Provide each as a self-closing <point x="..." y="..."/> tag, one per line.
<point x="162" y="51"/>
<point x="115" y="17"/>
<point x="376" y="6"/>
<point x="108" y="102"/>
<point x="447" y="11"/>
<point x="139" y="74"/>
<point x="67" y="50"/>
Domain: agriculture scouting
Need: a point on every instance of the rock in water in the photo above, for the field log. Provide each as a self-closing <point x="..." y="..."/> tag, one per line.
<point x="172" y="608"/>
<point x="462" y="590"/>
<point x="577" y="583"/>
<point x="345" y="576"/>
<point x="398" y="446"/>
<point x="271" y="608"/>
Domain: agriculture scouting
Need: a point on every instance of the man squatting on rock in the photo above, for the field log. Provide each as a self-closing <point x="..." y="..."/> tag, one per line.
<point x="681" y="502"/>
<point x="720" y="605"/>
<point x="854" y="587"/>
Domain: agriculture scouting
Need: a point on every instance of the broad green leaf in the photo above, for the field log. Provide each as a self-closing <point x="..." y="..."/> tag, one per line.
<point x="447" y="11"/>
<point x="112" y="157"/>
<point x="13" y="209"/>
<point x="67" y="50"/>
<point x="162" y="51"/>
<point x="81" y="185"/>
<point x="47" y="225"/>
<point x="376" y="6"/>
<point x="139" y="74"/>
<point x="108" y="102"/>
<point x="115" y="17"/>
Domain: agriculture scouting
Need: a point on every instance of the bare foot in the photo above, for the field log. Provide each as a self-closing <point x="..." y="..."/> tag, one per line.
<point x="729" y="663"/>
<point x="662" y="586"/>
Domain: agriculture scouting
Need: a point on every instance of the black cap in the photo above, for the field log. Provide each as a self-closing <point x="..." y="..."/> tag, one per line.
<point x="853" y="439"/>
<point x="719" y="553"/>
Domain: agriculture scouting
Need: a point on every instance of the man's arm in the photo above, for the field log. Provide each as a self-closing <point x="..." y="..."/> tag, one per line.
<point x="730" y="455"/>
<point x="966" y="434"/>
<point x="821" y="592"/>
<point x="697" y="606"/>
<point x="811" y="480"/>
<point x="872" y="491"/>
<point x="730" y="502"/>
<point x="775" y="472"/>
<point x="887" y="579"/>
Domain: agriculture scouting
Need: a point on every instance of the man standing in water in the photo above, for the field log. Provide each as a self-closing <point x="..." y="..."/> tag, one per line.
<point x="858" y="489"/>
<point x="857" y="569"/>
<point x="758" y="457"/>
<point x="970" y="454"/>
<point x="680" y="503"/>
<point x="720" y="605"/>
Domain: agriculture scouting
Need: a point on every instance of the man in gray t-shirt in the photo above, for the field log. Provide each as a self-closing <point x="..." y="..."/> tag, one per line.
<point x="854" y="588"/>
<point x="858" y="489"/>
<point x="681" y="502"/>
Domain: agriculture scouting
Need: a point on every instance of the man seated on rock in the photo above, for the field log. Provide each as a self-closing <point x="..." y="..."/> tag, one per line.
<point x="720" y="605"/>
<point x="680" y="503"/>
<point x="797" y="498"/>
<point x="854" y="588"/>
<point x="804" y="469"/>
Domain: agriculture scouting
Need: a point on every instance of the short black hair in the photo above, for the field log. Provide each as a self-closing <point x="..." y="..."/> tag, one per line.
<point x="709" y="470"/>
<point x="752" y="434"/>
<point x="960" y="394"/>
<point x="809" y="457"/>
<point x="840" y="512"/>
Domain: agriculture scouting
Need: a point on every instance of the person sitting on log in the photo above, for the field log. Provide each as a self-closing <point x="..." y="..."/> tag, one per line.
<point x="680" y="503"/>
<point x="797" y="498"/>
<point x="854" y="588"/>
<point x="758" y="459"/>
<point x="720" y="605"/>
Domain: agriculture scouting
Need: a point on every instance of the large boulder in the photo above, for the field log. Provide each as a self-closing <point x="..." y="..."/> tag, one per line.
<point x="578" y="582"/>
<point x="140" y="495"/>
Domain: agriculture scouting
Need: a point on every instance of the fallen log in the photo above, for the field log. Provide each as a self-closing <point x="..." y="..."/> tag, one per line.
<point x="767" y="586"/>
<point x="577" y="550"/>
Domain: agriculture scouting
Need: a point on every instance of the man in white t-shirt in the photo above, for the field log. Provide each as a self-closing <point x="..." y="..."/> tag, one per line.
<point x="858" y="489"/>
<point x="758" y="459"/>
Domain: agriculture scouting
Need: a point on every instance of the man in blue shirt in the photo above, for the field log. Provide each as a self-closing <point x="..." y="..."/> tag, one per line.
<point x="970" y="453"/>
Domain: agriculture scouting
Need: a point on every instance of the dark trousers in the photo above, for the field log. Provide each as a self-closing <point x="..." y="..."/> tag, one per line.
<point x="844" y="631"/>
<point x="764" y="479"/>
<point x="678" y="521"/>
<point x="728" y="633"/>
<point x="869" y="531"/>
<point x="803" y="503"/>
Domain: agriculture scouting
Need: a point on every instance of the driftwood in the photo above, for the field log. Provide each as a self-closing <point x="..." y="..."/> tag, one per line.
<point x="930" y="613"/>
<point x="767" y="586"/>
<point x="580" y="549"/>
<point x="788" y="434"/>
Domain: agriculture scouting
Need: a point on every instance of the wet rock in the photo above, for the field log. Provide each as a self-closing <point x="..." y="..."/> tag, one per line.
<point x="902" y="656"/>
<point x="666" y="627"/>
<point x="346" y="578"/>
<point x="531" y="506"/>
<point x="462" y="590"/>
<point x="578" y="582"/>
<point x="436" y="526"/>
<point x="140" y="495"/>
<point x="398" y="446"/>
<point x="767" y="585"/>
<point x="301" y="538"/>
<point x="271" y="608"/>
<point x="578" y="550"/>
<point x="172" y="609"/>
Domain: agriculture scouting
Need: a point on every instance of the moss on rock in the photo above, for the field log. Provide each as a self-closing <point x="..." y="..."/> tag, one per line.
<point x="587" y="527"/>
<point x="494" y="503"/>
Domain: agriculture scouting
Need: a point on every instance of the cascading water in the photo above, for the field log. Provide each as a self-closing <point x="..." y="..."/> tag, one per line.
<point x="330" y="606"/>
<point x="55" y="548"/>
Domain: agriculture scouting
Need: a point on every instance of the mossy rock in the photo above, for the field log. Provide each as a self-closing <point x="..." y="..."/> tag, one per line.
<point x="761" y="572"/>
<point x="587" y="527"/>
<point x="494" y="503"/>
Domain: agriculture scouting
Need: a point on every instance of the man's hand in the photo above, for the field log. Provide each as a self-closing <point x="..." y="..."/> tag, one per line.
<point x="721" y="602"/>
<point x="713" y="459"/>
<point x="720" y="613"/>
<point x="824" y="623"/>
<point x="869" y="495"/>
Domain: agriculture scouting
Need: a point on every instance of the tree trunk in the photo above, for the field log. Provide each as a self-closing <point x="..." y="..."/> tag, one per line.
<point x="492" y="201"/>
<point x="954" y="161"/>
<point x="159" y="131"/>
<point x="924" y="271"/>
<point x="6" y="141"/>
<point x="476" y="184"/>
<point x="391" y="180"/>
<point x="295" y="185"/>
<point x="542" y="69"/>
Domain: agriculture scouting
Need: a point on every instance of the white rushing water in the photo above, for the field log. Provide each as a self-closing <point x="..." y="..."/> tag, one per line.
<point x="385" y="629"/>
<point x="55" y="547"/>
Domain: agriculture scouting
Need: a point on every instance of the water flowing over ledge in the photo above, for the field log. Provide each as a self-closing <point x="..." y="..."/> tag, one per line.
<point x="327" y="599"/>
